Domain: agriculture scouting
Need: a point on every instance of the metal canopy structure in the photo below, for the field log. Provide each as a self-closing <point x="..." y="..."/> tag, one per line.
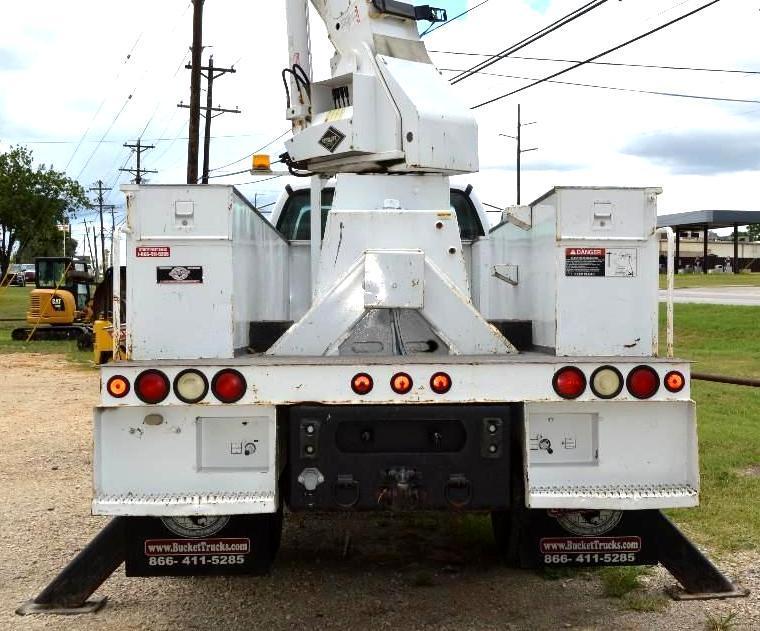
<point x="707" y="220"/>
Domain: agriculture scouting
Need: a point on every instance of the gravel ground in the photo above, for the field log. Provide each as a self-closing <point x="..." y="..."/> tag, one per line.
<point x="397" y="573"/>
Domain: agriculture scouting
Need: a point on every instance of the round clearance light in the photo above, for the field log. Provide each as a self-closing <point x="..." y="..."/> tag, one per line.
<point x="118" y="386"/>
<point x="190" y="386"/>
<point x="362" y="383"/>
<point x="401" y="383"/>
<point x="643" y="382"/>
<point x="569" y="382"/>
<point x="152" y="386"/>
<point x="228" y="385"/>
<point x="674" y="381"/>
<point x="606" y="382"/>
<point x="440" y="383"/>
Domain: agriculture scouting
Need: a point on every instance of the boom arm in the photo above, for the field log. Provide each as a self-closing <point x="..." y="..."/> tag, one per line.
<point x="386" y="107"/>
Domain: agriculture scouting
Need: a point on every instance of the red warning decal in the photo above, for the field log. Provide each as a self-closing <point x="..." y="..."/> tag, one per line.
<point x="584" y="261"/>
<point x="153" y="251"/>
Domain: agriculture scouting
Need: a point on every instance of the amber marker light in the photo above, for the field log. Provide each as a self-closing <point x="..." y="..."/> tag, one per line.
<point x="261" y="162"/>
<point x="362" y="383"/>
<point x="401" y="383"/>
<point x="118" y="386"/>
<point x="674" y="381"/>
<point x="440" y="383"/>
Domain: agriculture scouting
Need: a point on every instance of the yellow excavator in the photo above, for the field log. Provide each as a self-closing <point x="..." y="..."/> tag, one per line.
<point x="59" y="306"/>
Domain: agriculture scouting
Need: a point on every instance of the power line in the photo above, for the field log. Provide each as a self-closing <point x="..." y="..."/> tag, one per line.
<point x="266" y="179"/>
<point x="123" y="107"/>
<point x="102" y="103"/>
<point x="563" y="21"/>
<point x="608" y="87"/>
<point x="435" y="27"/>
<point x="248" y="155"/>
<point x="601" y="63"/>
<point x="602" y="54"/>
<point x="228" y="174"/>
<point x="105" y="133"/>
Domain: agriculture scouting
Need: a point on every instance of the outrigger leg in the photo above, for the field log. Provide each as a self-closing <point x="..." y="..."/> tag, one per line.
<point x="68" y="592"/>
<point x="696" y="573"/>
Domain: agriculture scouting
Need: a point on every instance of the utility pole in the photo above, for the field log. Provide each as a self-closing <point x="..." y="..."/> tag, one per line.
<point x="195" y="93"/>
<point x="100" y="190"/>
<point x="210" y="73"/>
<point x="87" y="238"/>
<point x="520" y="150"/>
<point x="95" y="249"/>
<point x="138" y="149"/>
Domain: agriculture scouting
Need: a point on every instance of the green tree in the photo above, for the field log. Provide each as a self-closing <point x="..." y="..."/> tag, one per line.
<point x="32" y="201"/>
<point x="754" y="231"/>
<point x="46" y="245"/>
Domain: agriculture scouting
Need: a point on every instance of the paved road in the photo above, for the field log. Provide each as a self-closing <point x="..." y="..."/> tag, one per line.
<point x="717" y="295"/>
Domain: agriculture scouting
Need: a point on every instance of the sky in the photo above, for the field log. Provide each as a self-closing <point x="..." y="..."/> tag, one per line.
<point x="79" y="79"/>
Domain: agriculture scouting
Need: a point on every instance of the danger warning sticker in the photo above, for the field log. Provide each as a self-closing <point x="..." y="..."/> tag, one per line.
<point x="584" y="261"/>
<point x="153" y="251"/>
<point x="601" y="262"/>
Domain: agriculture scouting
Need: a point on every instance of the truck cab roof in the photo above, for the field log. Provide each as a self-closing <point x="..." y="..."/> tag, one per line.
<point x="292" y="212"/>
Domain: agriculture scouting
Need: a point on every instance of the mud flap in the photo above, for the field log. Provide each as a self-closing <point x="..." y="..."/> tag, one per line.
<point x="567" y="538"/>
<point x="582" y="538"/>
<point x="202" y="546"/>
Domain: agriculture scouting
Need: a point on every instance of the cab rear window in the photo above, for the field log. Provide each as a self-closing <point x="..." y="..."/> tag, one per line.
<point x="295" y="220"/>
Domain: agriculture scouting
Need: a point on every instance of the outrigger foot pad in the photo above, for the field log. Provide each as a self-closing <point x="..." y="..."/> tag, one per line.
<point x="90" y="606"/>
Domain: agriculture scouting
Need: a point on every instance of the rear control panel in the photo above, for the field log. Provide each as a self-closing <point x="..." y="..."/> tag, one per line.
<point x="399" y="457"/>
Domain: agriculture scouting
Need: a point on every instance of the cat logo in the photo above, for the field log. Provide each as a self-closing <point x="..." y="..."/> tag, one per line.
<point x="56" y="302"/>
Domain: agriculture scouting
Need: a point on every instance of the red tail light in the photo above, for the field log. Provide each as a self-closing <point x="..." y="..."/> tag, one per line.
<point x="643" y="382"/>
<point x="569" y="382"/>
<point x="674" y="381"/>
<point x="440" y="383"/>
<point x="228" y="385"/>
<point x="362" y="383"/>
<point x="401" y="383"/>
<point x="152" y="386"/>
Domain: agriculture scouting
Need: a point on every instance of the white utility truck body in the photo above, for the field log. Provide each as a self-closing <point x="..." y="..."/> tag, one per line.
<point x="402" y="362"/>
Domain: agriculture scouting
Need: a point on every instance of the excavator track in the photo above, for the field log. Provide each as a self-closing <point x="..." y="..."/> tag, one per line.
<point x="51" y="333"/>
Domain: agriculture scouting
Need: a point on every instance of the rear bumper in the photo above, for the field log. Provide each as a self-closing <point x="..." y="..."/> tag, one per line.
<point x="225" y="460"/>
<point x="190" y="460"/>
<point x="611" y="455"/>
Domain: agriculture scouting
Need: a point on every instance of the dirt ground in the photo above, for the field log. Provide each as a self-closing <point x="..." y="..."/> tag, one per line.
<point x="396" y="575"/>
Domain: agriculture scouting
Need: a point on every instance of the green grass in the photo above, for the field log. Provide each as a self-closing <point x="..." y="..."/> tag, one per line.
<point x="724" y="340"/>
<point x="721" y="622"/>
<point x="683" y="281"/>
<point x="620" y="581"/>
<point x="14" y="302"/>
